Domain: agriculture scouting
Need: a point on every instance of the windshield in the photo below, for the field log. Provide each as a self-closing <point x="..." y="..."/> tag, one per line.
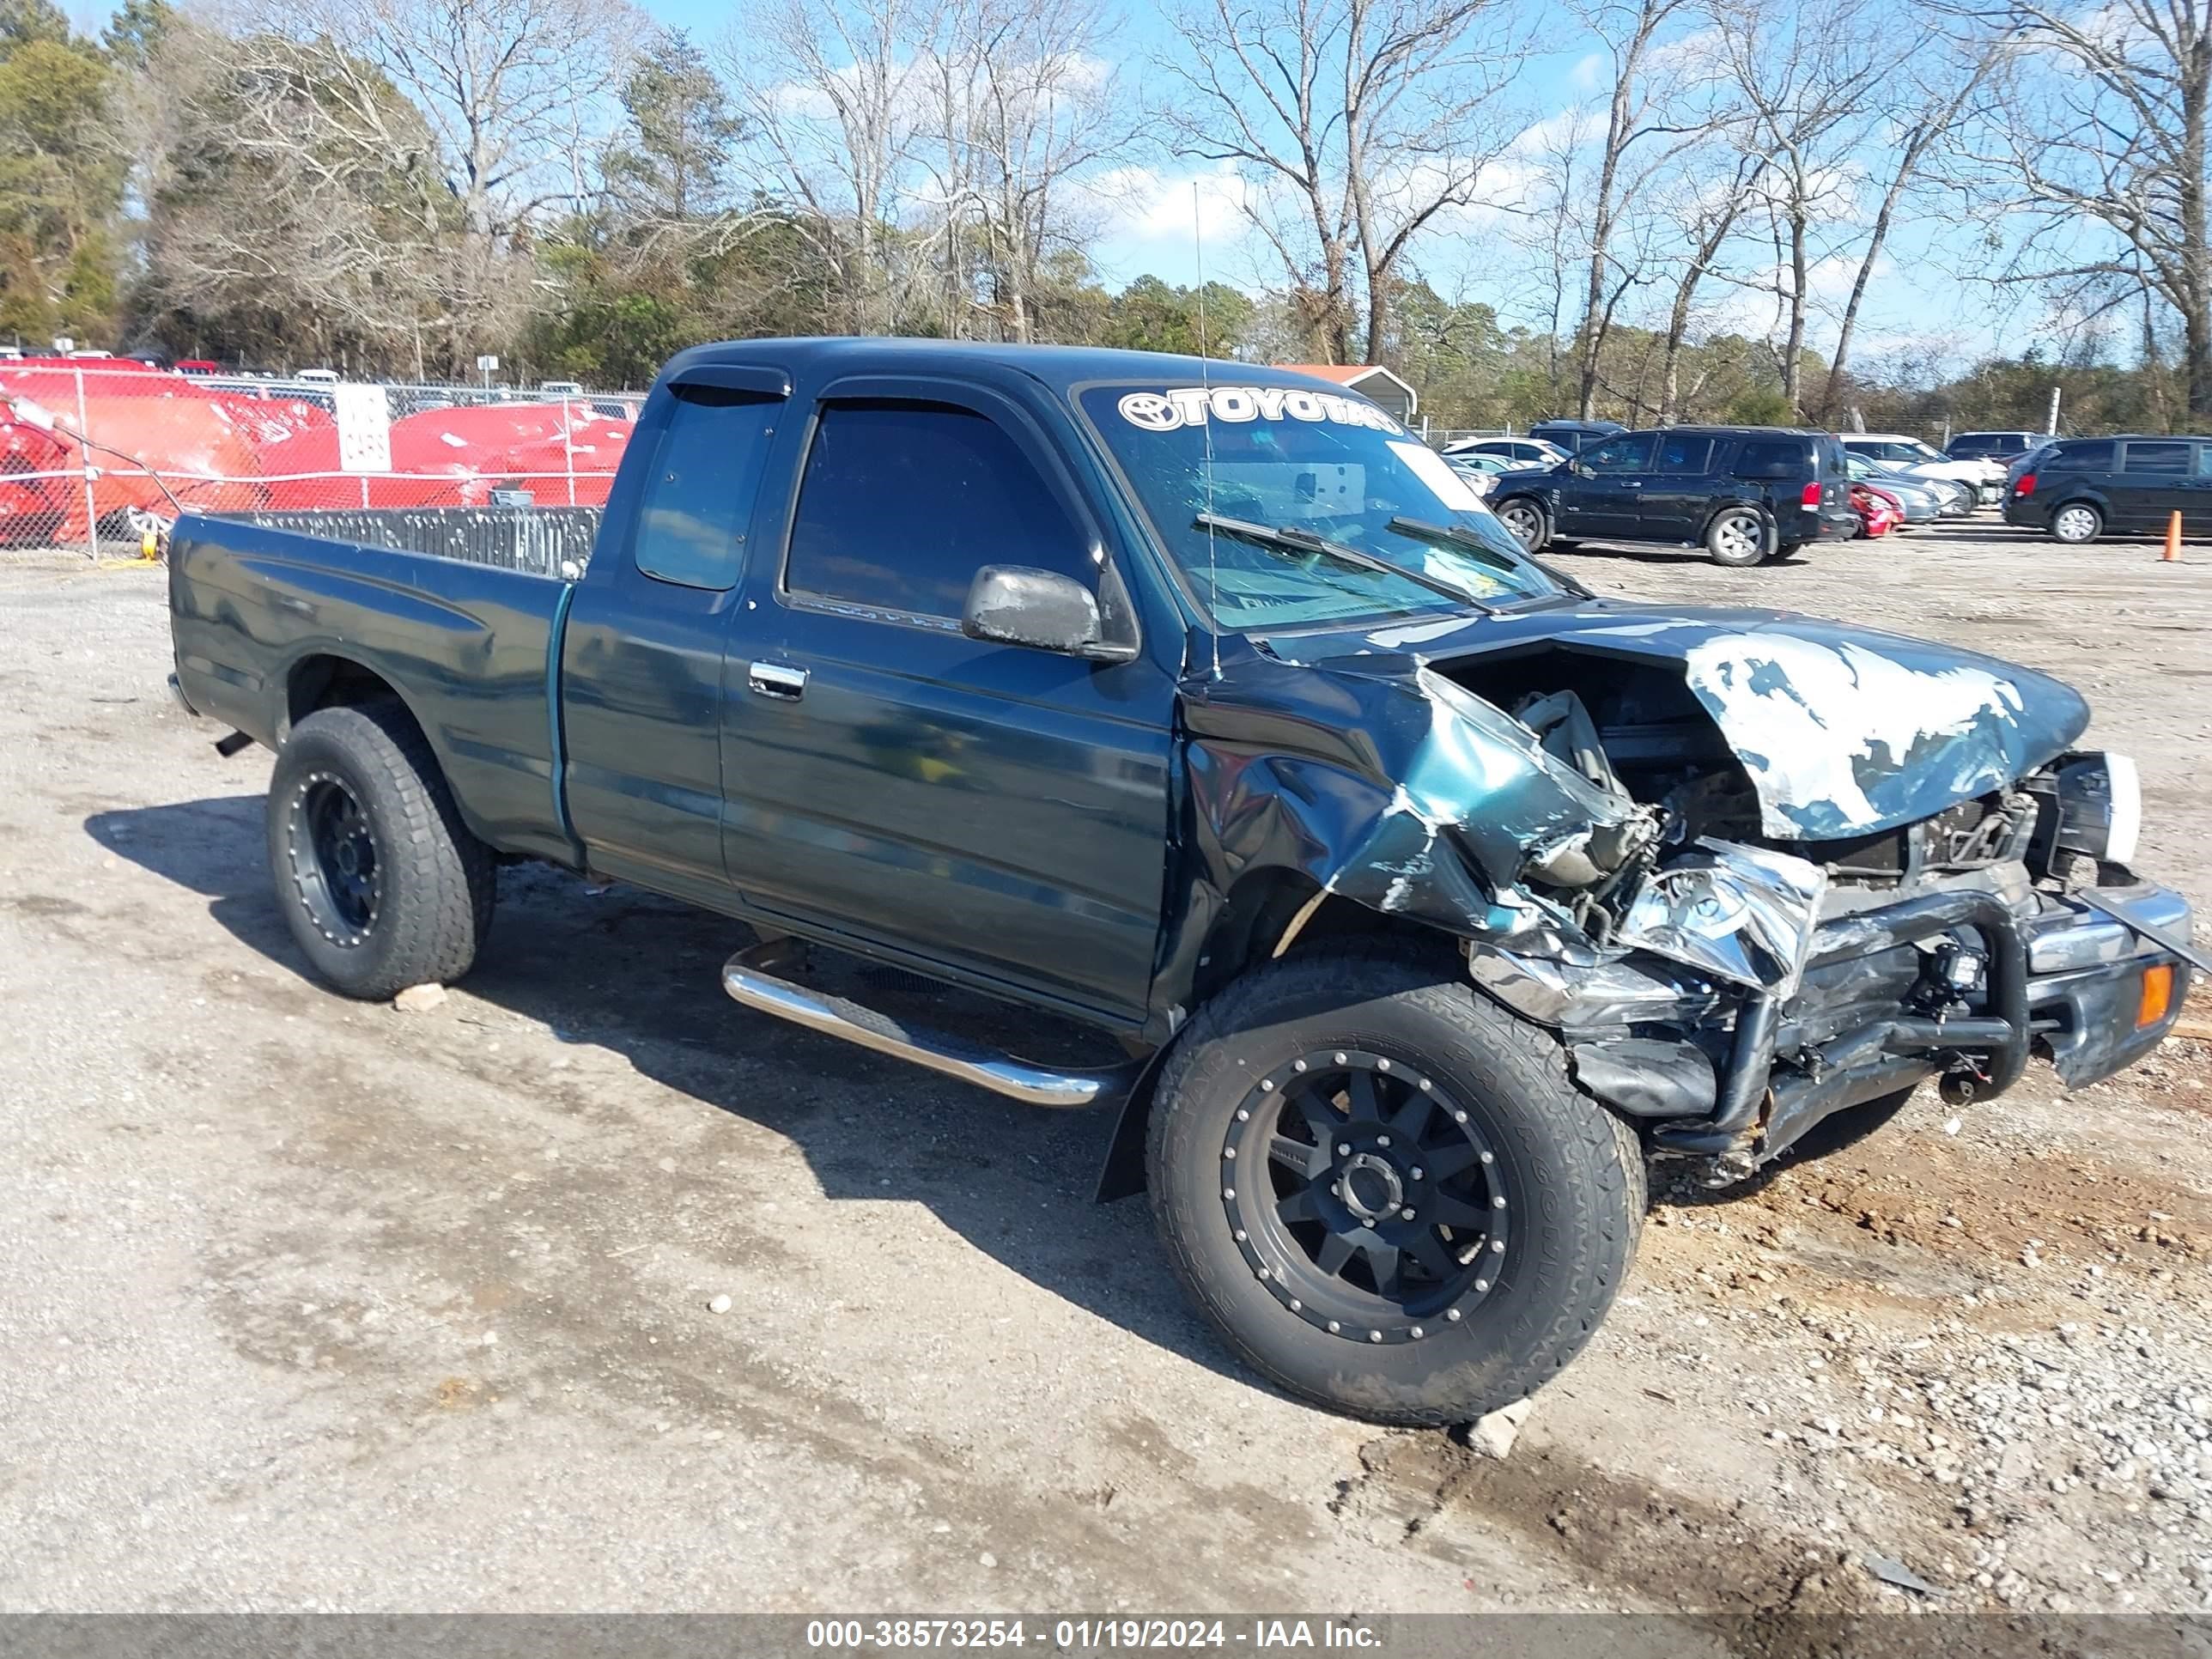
<point x="1322" y="466"/>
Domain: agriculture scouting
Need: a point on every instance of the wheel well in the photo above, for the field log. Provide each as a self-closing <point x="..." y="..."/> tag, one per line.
<point x="330" y="682"/>
<point x="1248" y="933"/>
<point x="1758" y="508"/>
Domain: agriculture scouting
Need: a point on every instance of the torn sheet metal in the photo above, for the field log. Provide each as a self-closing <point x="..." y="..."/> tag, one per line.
<point x="1842" y="731"/>
<point x="1741" y="914"/>
<point x="1386" y="783"/>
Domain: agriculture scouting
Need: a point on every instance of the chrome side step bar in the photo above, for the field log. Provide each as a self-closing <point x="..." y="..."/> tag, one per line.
<point x="746" y="977"/>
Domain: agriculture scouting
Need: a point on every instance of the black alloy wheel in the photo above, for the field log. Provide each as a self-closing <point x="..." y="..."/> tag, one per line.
<point x="1366" y="1197"/>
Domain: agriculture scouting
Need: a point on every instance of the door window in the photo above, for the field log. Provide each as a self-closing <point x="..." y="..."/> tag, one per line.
<point x="2157" y="458"/>
<point x="1629" y="455"/>
<point x="1681" y="454"/>
<point x="903" y="503"/>
<point x="706" y="472"/>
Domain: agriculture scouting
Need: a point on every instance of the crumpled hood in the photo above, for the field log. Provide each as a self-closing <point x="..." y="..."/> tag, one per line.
<point x="1843" y="731"/>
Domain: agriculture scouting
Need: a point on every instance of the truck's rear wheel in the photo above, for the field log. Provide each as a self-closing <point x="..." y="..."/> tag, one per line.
<point x="381" y="881"/>
<point x="1384" y="1191"/>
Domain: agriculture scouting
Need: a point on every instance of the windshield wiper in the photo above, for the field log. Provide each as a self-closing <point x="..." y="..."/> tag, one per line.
<point x="1459" y="536"/>
<point x="1291" y="538"/>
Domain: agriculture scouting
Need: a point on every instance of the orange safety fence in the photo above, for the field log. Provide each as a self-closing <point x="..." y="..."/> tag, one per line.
<point x="104" y="450"/>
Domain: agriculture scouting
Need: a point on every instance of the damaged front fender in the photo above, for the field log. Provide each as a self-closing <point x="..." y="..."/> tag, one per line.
<point x="1385" y="783"/>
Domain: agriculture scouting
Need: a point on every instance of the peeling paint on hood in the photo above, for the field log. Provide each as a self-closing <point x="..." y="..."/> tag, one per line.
<point x="1843" y="731"/>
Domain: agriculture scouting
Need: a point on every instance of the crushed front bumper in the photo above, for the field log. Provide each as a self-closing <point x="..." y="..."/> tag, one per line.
<point x="1740" y="1077"/>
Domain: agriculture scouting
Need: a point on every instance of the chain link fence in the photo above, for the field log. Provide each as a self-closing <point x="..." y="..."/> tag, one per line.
<point x="102" y="456"/>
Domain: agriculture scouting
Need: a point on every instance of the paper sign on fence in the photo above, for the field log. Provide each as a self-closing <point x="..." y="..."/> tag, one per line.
<point x="364" y="420"/>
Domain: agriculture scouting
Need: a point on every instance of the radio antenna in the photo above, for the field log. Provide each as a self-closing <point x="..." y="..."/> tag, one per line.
<point x="1205" y="386"/>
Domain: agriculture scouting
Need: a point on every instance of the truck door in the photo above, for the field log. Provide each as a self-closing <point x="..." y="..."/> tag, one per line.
<point x="641" y="680"/>
<point x="998" y="811"/>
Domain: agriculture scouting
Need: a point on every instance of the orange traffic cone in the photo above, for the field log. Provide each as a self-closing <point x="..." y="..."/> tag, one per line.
<point x="2173" y="553"/>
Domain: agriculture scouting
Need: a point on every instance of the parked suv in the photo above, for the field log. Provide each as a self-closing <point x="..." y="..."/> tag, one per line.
<point x="1575" y="436"/>
<point x="2084" y="488"/>
<point x="1744" y="493"/>
<point x="2003" y="446"/>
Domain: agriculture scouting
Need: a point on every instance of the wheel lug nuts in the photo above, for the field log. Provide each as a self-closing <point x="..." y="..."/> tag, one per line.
<point x="1407" y="1213"/>
<point x="1381" y="1140"/>
<point x="1366" y="1223"/>
<point x="1243" y="1115"/>
<point x="1229" y="1151"/>
<point x="1459" y="1117"/>
<point x="1334" y="1328"/>
<point x="1479" y="1284"/>
<point x="1498" y="1203"/>
<point x="1339" y="1057"/>
<point x="1487" y="1159"/>
<point x="1343" y="1149"/>
<point x="1416" y="1333"/>
<point x="1416" y="1172"/>
<point x="1374" y="1336"/>
<point x="1382" y="1064"/>
<point x="1453" y="1315"/>
<point x="1298" y="1066"/>
<point x="1297" y="1306"/>
<point x="1498" y="1247"/>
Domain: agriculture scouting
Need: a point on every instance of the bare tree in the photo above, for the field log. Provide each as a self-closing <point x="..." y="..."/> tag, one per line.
<point x="1360" y="122"/>
<point x="1804" y="76"/>
<point x="834" y="102"/>
<point x="1646" y="129"/>
<point x="1926" y="98"/>
<point x="294" y="209"/>
<point x="1047" y="108"/>
<point x="2093" y="133"/>
<point x="1704" y="207"/>
<point x="508" y="87"/>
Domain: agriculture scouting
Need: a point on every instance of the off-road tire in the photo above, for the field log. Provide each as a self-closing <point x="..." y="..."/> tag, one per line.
<point x="1737" y="537"/>
<point x="2076" y="523"/>
<point x="1572" y="1173"/>
<point x="435" y="882"/>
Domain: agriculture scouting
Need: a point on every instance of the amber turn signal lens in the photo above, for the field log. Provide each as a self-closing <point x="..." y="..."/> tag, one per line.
<point x="2157" y="995"/>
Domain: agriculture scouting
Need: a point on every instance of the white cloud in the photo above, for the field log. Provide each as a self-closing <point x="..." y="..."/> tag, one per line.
<point x="1143" y="204"/>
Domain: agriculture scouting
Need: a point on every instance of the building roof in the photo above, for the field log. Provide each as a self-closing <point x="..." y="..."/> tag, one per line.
<point x="1350" y="375"/>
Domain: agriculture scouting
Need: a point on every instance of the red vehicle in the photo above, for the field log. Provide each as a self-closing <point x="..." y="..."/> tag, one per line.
<point x="1878" y="511"/>
<point x="198" y="365"/>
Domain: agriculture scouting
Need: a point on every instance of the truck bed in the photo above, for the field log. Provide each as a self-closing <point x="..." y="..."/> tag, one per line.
<point x="457" y="610"/>
<point x="540" y="540"/>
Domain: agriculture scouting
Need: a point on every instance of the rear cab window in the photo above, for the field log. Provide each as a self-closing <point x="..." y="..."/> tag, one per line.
<point x="902" y="502"/>
<point x="698" y="500"/>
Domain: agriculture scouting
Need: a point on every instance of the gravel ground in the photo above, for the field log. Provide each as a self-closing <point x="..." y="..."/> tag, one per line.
<point x="319" y="1305"/>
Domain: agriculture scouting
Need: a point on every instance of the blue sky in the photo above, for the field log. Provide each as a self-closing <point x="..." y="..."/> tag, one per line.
<point x="1150" y="217"/>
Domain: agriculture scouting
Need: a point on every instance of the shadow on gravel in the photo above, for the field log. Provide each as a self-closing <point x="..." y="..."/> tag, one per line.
<point x="640" y="974"/>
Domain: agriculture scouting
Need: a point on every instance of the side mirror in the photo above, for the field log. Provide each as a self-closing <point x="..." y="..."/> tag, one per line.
<point x="1014" y="605"/>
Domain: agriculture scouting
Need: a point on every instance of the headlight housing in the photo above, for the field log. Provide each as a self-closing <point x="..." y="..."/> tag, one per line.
<point x="2098" y="798"/>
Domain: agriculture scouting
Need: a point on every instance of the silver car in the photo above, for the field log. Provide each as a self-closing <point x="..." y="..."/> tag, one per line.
<point x="1923" y="500"/>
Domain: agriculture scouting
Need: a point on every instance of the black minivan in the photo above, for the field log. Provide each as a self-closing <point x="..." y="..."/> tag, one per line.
<point x="2080" y="488"/>
<point x="1744" y="493"/>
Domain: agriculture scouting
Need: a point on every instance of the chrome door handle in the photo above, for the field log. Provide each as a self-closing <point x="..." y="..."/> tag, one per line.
<point x="772" y="679"/>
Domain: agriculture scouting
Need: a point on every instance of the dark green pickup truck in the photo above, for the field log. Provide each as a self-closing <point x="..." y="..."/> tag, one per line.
<point x="1428" y="895"/>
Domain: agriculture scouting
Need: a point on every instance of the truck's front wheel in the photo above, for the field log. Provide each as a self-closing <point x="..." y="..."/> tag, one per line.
<point x="382" y="885"/>
<point x="1385" y="1192"/>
